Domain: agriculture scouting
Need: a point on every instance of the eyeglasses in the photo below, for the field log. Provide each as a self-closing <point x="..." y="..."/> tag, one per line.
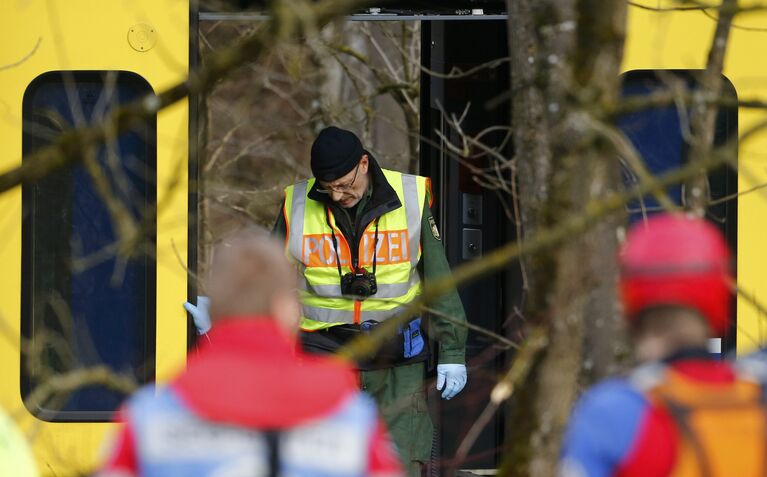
<point x="342" y="187"/>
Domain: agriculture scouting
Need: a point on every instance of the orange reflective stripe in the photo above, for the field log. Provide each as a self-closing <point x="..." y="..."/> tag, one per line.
<point x="393" y="247"/>
<point x="429" y="192"/>
<point x="357" y="311"/>
<point x="318" y="250"/>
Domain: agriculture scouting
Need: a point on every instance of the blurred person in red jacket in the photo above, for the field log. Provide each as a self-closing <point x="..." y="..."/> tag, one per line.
<point x="683" y="411"/>
<point x="250" y="403"/>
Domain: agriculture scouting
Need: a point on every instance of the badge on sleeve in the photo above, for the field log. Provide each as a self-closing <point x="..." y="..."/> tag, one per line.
<point x="433" y="226"/>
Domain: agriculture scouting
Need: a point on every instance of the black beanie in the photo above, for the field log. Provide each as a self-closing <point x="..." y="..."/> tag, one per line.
<point x="335" y="152"/>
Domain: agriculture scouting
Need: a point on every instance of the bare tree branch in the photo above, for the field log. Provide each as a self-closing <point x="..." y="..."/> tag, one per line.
<point x="290" y="19"/>
<point x="23" y="58"/>
<point x="704" y="114"/>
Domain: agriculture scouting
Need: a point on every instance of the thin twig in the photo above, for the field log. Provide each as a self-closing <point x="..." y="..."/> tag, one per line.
<point x="23" y="58"/>
<point x="289" y="20"/>
<point x="503" y="390"/>
<point x="473" y="327"/>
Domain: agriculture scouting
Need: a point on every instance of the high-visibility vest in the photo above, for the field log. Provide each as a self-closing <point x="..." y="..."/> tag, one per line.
<point x="171" y="440"/>
<point x="722" y="427"/>
<point x="309" y="243"/>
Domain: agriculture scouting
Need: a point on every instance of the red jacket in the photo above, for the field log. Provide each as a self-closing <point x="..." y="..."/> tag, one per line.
<point x="251" y="374"/>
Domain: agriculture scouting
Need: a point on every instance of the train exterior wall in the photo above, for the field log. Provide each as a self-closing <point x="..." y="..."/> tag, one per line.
<point x="38" y="36"/>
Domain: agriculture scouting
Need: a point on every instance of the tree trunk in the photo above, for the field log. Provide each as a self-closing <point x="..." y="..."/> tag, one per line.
<point x="697" y="193"/>
<point x="565" y="65"/>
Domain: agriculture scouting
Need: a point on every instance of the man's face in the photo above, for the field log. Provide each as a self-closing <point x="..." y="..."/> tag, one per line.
<point x="347" y="191"/>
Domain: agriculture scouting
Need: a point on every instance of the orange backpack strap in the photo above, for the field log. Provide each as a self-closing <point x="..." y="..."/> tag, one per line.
<point x="722" y="426"/>
<point x="680" y="414"/>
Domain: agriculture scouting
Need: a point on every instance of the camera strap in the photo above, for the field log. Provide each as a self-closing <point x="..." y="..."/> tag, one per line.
<point x="375" y="246"/>
<point x="335" y="241"/>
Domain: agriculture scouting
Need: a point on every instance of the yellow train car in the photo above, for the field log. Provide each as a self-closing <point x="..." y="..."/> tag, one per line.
<point x="662" y="37"/>
<point x="72" y="297"/>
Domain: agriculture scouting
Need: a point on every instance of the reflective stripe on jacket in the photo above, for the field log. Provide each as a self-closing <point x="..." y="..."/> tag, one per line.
<point x="397" y="251"/>
<point x="172" y="440"/>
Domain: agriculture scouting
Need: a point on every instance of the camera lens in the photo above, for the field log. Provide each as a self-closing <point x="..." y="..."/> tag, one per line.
<point x="361" y="287"/>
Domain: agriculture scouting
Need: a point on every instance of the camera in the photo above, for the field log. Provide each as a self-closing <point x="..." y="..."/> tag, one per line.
<point x="359" y="283"/>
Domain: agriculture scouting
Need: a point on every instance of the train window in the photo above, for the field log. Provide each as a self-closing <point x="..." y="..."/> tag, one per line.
<point x="659" y="133"/>
<point x="88" y="296"/>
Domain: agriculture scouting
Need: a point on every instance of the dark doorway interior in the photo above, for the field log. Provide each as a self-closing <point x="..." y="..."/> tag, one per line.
<point x="473" y="220"/>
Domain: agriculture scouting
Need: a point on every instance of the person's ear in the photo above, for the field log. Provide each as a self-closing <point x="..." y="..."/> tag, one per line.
<point x="364" y="163"/>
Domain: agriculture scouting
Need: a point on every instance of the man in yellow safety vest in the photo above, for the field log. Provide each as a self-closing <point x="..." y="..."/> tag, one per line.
<point x="363" y="239"/>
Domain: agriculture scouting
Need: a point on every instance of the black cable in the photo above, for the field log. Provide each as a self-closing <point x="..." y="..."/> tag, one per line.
<point x="375" y="247"/>
<point x="335" y="243"/>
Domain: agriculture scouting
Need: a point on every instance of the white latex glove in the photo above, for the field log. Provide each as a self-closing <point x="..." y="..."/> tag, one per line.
<point x="452" y="377"/>
<point x="200" y="314"/>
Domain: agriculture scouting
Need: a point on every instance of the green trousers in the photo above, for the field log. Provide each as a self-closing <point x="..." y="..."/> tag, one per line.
<point x="401" y="398"/>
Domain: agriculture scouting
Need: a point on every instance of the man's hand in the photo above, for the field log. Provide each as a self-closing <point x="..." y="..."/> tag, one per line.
<point x="452" y="377"/>
<point x="200" y="314"/>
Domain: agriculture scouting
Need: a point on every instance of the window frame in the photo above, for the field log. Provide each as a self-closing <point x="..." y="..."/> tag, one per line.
<point x="145" y="371"/>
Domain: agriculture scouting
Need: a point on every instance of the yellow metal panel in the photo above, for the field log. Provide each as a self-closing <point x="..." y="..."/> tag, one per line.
<point x="748" y="73"/>
<point x="37" y="36"/>
<point x="680" y="40"/>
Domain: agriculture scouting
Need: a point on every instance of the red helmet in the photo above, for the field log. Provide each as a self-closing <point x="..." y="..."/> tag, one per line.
<point x="675" y="260"/>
